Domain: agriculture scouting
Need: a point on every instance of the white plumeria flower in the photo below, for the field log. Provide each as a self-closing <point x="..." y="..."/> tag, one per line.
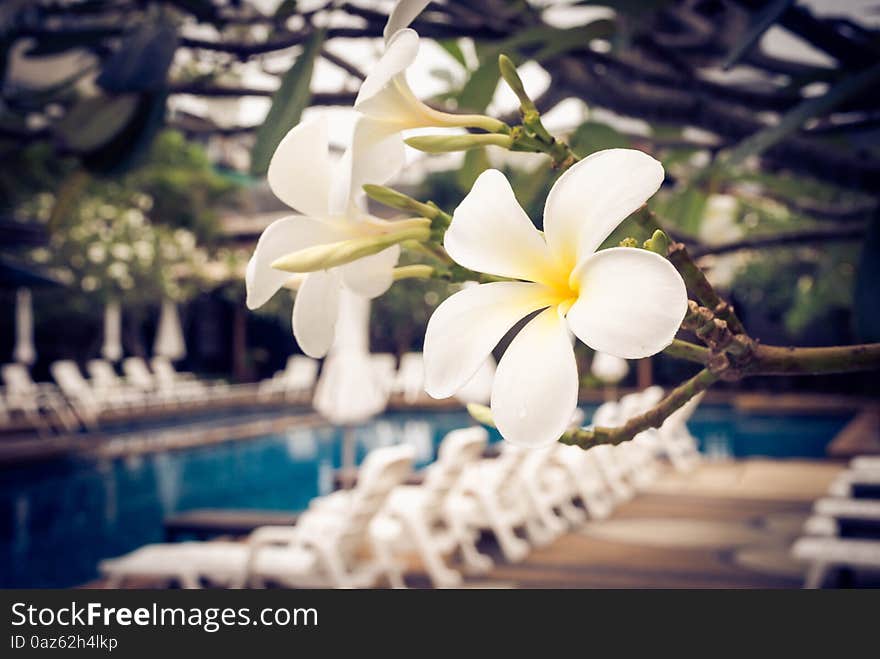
<point x="329" y="200"/>
<point x="625" y="301"/>
<point x="386" y="96"/>
<point x="404" y="13"/>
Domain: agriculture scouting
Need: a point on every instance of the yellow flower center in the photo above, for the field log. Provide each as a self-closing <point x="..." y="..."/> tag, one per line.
<point x="564" y="288"/>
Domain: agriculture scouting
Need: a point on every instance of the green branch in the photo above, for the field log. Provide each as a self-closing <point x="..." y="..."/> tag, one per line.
<point x="688" y="351"/>
<point x="700" y="287"/>
<point x="780" y="360"/>
<point x="588" y="437"/>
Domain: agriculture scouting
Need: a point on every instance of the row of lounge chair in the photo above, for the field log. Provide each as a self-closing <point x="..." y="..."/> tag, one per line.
<point x="74" y="401"/>
<point x="364" y="536"/>
<point x="297" y="380"/>
<point x="843" y="533"/>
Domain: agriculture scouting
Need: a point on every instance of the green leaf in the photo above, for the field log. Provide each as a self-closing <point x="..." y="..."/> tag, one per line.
<point x="288" y="104"/>
<point x="128" y="147"/>
<point x="476" y="161"/>
<point x="142" y="61"/>
<point x="867" y="311"/>
<point x="559" y="42"/>
<point x="95" y="121"/>
<point x="451" y="46"/>
<point x="478" y="91"/>
<point x="286" y="9"/>
<point x="592" y="136"/>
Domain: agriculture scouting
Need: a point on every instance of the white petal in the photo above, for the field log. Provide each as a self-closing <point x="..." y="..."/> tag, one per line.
<point x="385" y="94"/>
<point x="465" y="328"/>
<point x="536" y="383"/>
<point x="491" y="233"/>
<point x="299" y="172"/>
<point x="631" y="302"/>
<point x="372" y="275"/>
<point x="376" y="155"/>
<point x="404" y="13"/>
<point x="279" y="238"/>
<point x="314" y="312"/>
<point x="588" y="202"/>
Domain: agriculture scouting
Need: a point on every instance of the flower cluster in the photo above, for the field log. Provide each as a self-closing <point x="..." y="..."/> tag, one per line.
<point x="624" y="301"/>
<point x="114" y="250"/>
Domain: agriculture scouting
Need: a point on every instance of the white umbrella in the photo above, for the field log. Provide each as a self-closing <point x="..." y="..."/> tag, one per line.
<point x="608" y="368"/>
<point x="112" y="348"/>
<point x="169" y="335"/>
<point x="24" y="351"/>
<point x="348" y="391"/>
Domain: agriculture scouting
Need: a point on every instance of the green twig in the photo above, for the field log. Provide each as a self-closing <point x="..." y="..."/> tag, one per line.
<point x="700" y="287"/>
<point x="653" y="418"/>
<point x="781" y="360"/>
<point x="688" y="351"/>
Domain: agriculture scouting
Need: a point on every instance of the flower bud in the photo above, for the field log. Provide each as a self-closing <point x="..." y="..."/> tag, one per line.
<point x="658" y="243"/>
<point x="481" y="414"/>
<point x="447" y="143"/>
<point x="511" y="77"/>
<point x="329" y="255"/>
<point x="400" y="201"/>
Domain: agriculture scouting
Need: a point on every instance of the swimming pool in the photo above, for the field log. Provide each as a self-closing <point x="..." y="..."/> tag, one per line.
<point x="59" y="518"/>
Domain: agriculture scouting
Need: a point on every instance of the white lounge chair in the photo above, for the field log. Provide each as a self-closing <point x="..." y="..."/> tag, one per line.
<point x="831" y="512"/>
<point x="826" y="553"/>
<point x="611" y="465"/>
<point x="594" y="494"/>
<point x="410" y="380"/>
<point x="108" y="385"/>
<point x="139" y="375"/>
<point x="416" y="516"/>
<point x="678" y="443"/>
<point x="846" y="483"/>
<point x="295" y="382"/>
<point x="35" y="401"/>
<point x="491" y="496"/>
<point x="551" y="490"/>
<point x="186" y="386"/>
<point x="868" y="463"/>
<point x="325" y="548"/>
<point x="385" y="365"/>
<point x="78" y="391"/>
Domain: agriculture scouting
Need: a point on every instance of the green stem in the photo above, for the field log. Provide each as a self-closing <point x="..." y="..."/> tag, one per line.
<point x="688" y="351"/>
<point x="330" y="255"/>
<point x="489" y="124"/>
<point x="439" y="220"/>
<point x="782" y="360"/>
<point x="418" y="271"/>
<point x="69" y="191"/>
<point x="700" y="287"/>
<point x="653" y="418"/>
<point x="449" y="143"/>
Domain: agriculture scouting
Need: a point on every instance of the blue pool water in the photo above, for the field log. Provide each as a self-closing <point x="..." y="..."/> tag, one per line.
<point x="59" y="518"/>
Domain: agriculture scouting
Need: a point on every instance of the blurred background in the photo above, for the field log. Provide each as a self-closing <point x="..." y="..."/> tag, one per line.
<point x="135" y="137"/>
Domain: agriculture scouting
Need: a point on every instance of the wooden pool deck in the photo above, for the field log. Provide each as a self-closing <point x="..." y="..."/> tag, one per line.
<point x="725" y="525"/>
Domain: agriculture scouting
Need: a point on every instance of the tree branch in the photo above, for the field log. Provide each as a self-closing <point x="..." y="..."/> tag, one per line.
<point x="688" y="351"/>
<point x="779" y="360"/>
<point x="782" y="240"/>
<point x="588" y="437"/>
<point x="700" y="287"/>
